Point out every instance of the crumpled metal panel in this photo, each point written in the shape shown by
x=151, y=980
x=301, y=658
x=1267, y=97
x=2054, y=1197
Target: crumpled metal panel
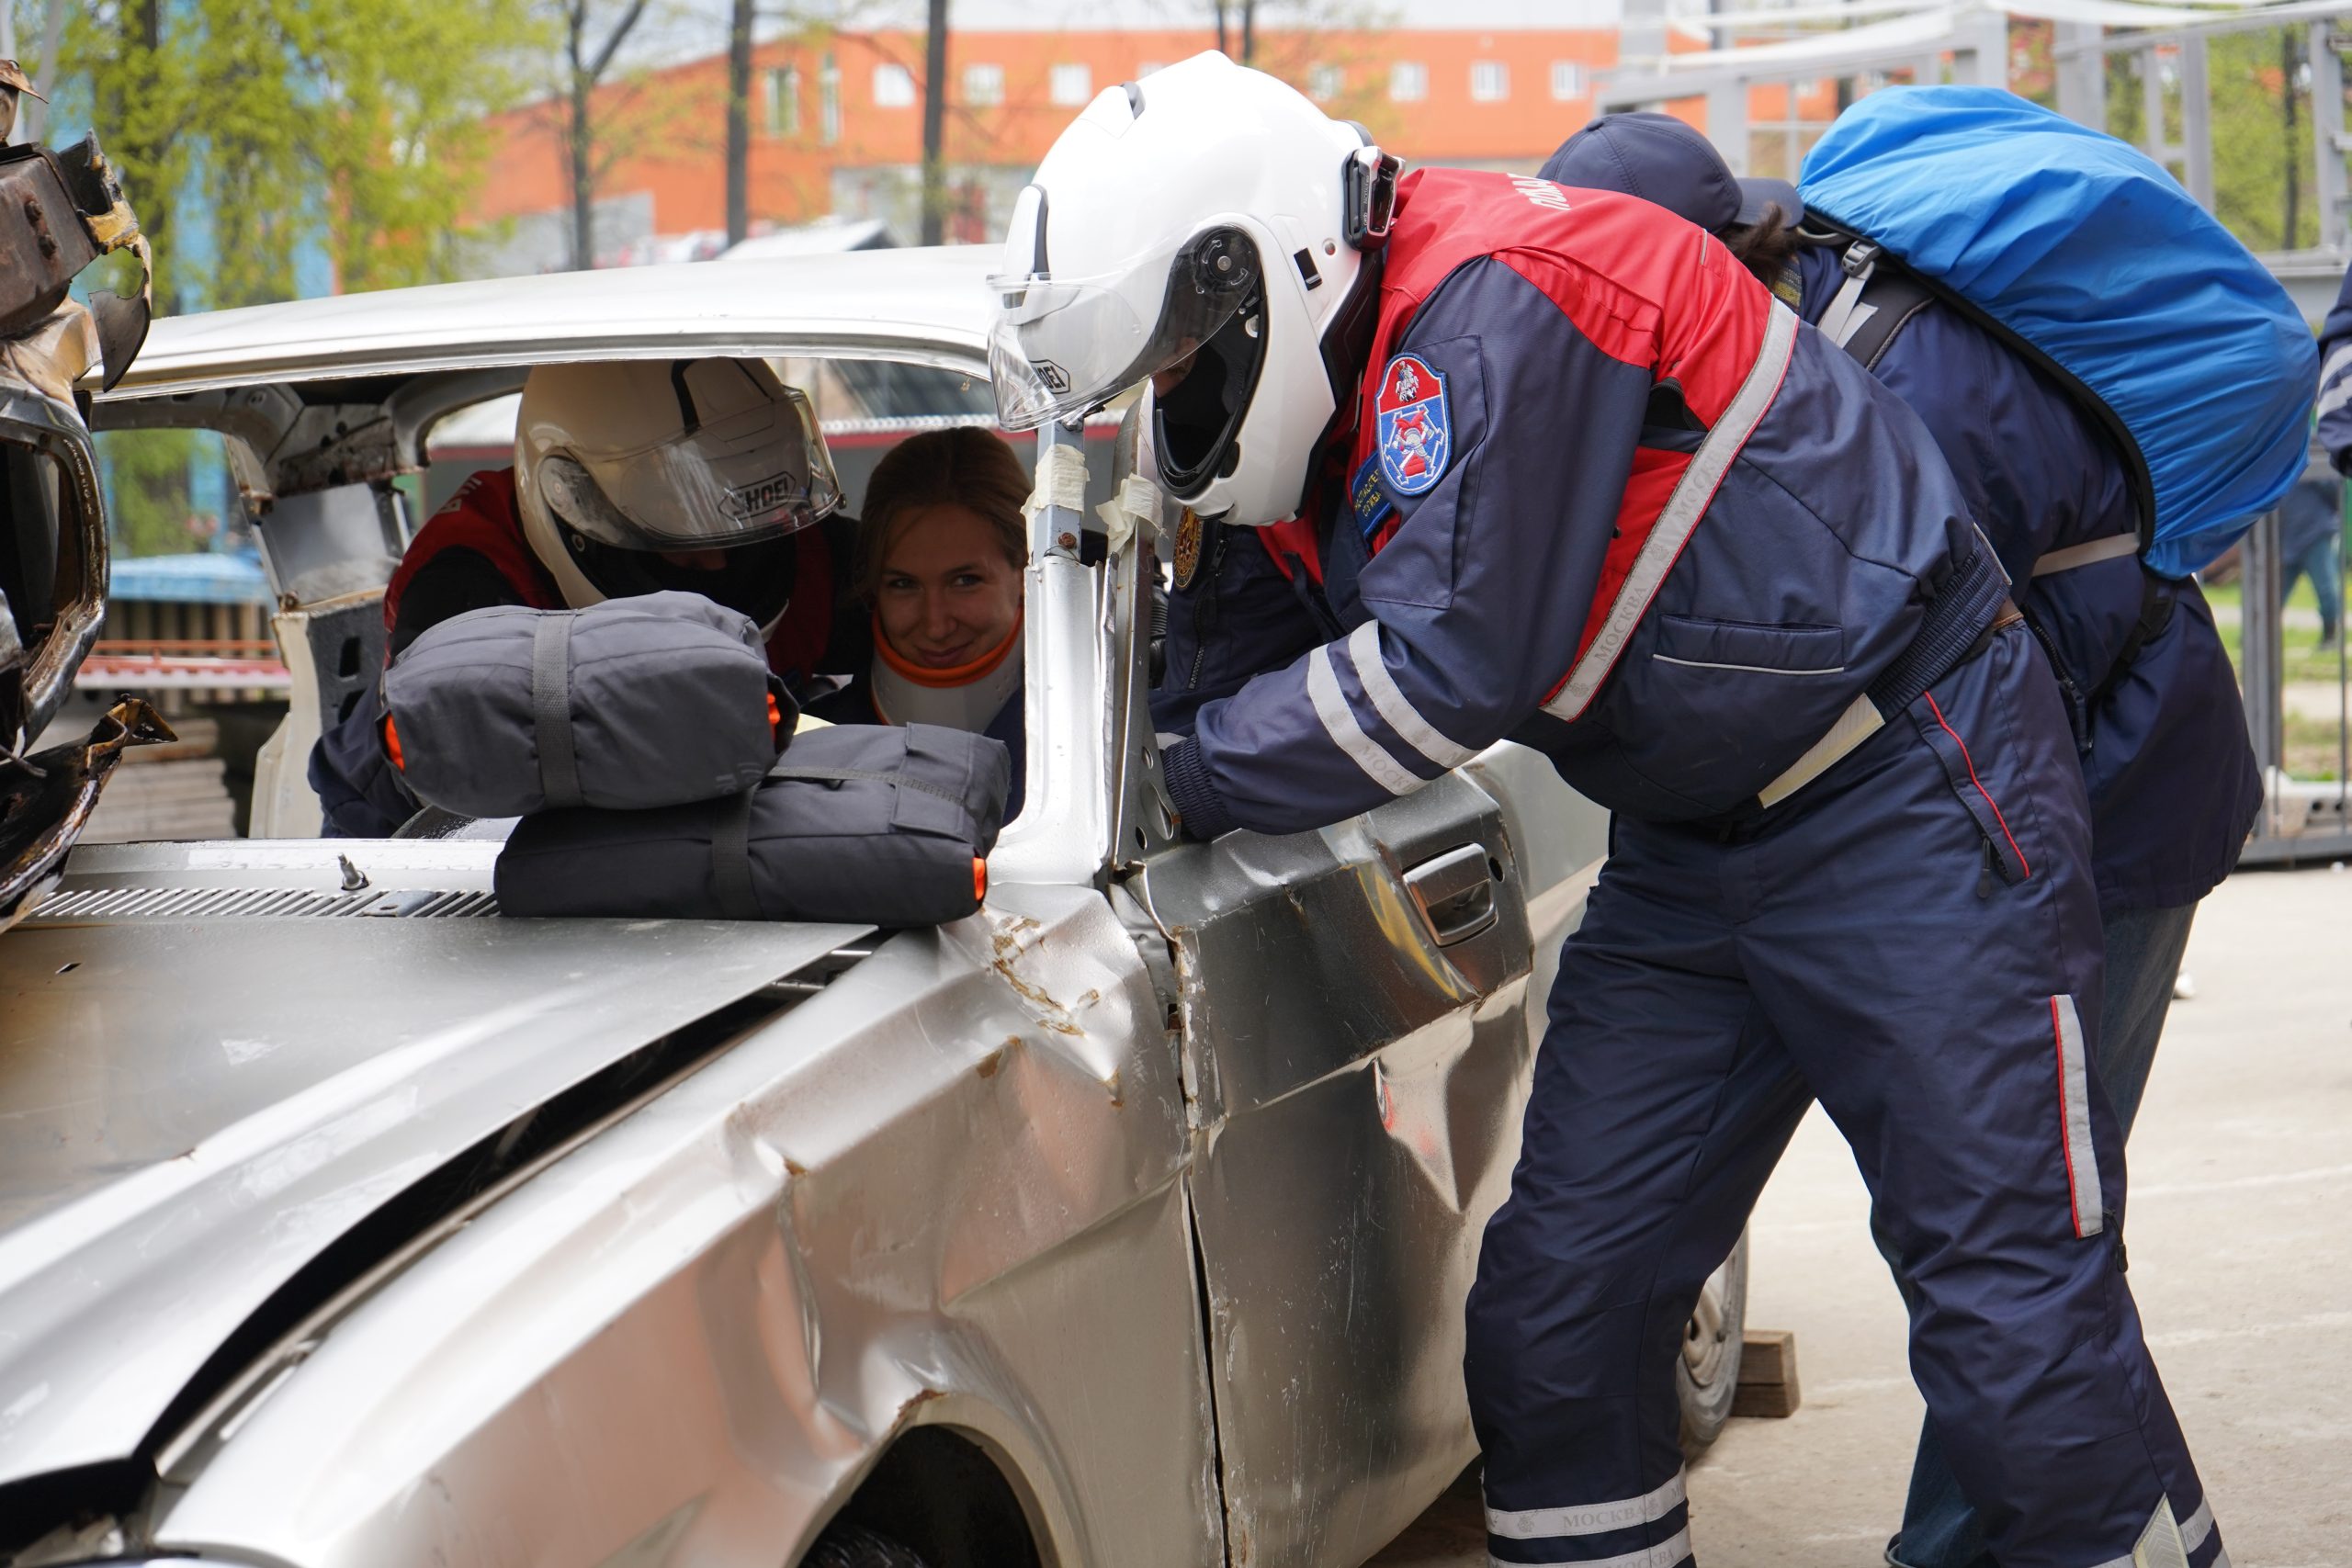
x=1336, y=1307
x=167, y=1164
x=945, y=1189
x=1359, y=1092
x=1302, y=954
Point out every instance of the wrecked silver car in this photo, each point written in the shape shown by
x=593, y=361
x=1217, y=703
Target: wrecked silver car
x=343, y=1221
x=60, y=212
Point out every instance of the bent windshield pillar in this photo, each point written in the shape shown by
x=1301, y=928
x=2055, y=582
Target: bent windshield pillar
x=1070, y=635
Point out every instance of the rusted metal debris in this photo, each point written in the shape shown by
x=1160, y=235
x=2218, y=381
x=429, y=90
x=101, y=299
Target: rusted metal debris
x=14, y=83
x=60, y=210
x=46, y=800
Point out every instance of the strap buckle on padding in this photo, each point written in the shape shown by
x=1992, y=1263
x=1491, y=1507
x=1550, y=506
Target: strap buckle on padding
x=1861, y=257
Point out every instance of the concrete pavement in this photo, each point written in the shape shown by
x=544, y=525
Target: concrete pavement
x=2240, y=1238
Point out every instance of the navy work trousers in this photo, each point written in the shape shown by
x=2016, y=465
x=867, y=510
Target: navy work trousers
x=2144, y=953
x=1913, y=939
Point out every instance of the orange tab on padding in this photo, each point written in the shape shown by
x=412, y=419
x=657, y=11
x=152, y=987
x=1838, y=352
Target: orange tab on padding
x=979, y=878
x=392, y=744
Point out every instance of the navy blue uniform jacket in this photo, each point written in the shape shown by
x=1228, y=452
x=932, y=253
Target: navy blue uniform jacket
x=2335, y=380
x=1584, y=357
x=2165, y=757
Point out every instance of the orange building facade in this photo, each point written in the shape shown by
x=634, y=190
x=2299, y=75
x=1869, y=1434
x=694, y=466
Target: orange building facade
x=837, y=115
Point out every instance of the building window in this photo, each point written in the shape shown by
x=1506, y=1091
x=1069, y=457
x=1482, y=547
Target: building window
x=829, y=102
x=983, y=85
x=1324, y=83
x=1567, y=79
x=1490, y=82
x=784, y=101
x=894, y=87
x=1071, y=85
x=1409, y=82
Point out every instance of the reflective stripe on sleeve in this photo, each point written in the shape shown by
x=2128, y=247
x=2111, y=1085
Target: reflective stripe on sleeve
x=1670, y=1553
x=2075, y=1113
x=1340, y=723
x=2334, y=393
x=1693, y=495
x=1390, y=703
x=1587, y=1519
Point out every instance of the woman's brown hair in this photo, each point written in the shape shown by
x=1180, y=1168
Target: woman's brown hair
x=966, y=466
x=1766, y=246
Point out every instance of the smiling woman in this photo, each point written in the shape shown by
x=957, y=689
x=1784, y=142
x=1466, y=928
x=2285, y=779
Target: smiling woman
x=939, y=560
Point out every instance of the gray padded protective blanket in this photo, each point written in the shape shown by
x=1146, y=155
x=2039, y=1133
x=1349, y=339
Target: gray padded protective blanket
x=871, y=824
x=655, y=700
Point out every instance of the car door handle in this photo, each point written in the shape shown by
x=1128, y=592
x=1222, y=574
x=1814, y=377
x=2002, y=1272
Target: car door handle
x=1455, y=892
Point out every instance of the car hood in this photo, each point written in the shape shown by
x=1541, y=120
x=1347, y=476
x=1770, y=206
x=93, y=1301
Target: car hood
x=197, y=1099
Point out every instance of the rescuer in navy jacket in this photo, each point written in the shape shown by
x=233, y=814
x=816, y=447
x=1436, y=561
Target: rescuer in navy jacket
x=1550, y=465
x=2335, y=380
x=2149, y=688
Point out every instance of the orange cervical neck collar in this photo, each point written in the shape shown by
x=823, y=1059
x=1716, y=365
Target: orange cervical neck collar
x=955, y=675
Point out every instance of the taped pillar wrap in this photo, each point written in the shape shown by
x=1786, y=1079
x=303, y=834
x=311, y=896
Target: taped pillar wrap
x=1061, y=481
x=1133, y=510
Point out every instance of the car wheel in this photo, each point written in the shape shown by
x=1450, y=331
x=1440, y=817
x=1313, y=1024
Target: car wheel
x=1707, y=1379
x=853, y=1546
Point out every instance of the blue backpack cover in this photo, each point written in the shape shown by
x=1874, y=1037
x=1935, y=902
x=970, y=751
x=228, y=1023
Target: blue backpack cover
x=2094, y=260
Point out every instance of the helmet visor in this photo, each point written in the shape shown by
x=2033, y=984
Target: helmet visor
x=1061, y=347
x=759, y=473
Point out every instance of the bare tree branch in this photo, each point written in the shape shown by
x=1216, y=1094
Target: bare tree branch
x=612, y=39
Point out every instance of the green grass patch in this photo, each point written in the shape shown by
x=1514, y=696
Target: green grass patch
x=2305, y=659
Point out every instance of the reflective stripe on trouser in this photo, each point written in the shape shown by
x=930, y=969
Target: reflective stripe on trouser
x=1651, y=1530
x=1854, y=943
x=2171, y=1542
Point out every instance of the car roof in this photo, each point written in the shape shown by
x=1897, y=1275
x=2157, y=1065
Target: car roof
x=927, y=305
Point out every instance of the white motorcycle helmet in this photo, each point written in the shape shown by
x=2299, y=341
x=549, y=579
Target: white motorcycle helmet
x=1207, y=219
x=634, y=475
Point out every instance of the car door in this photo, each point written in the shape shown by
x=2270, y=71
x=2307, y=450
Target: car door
x=1358, y=1024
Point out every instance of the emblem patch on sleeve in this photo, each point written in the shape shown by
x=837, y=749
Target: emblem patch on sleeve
x=1416, y=434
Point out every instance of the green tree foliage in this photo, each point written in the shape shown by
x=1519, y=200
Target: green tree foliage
x=148, y=503
x=355, y=123
x=2262, y=141
x=2263, y=168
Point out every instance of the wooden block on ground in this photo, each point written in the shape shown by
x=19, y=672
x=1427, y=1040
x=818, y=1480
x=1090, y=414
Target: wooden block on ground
x=1768, y=1374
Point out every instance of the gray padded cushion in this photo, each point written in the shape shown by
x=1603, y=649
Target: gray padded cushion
x=873, y=824
x=666, y=696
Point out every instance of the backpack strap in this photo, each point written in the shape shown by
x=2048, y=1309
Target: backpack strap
x=1877, y=300
x=2158, y=598
x=2112, y=548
